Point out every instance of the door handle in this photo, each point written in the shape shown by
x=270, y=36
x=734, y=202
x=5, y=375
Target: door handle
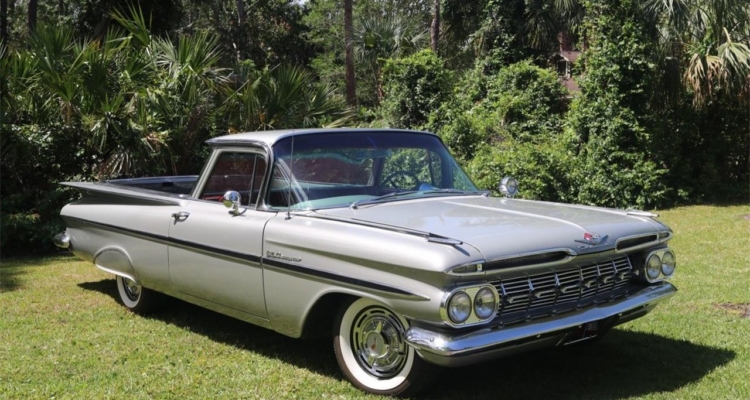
x=180, y=216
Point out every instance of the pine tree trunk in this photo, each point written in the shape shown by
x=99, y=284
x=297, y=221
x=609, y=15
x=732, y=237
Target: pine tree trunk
x=351, y=88
x=435, y=31
x=241, y=17
x=32, y=16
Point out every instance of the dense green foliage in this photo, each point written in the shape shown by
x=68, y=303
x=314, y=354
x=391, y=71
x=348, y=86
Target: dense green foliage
x=615, y=164
x=128, y=104
x=414, y=87
x=102, y=89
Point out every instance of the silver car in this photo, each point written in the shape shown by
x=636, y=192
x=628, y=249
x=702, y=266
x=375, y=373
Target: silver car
x=379, y=236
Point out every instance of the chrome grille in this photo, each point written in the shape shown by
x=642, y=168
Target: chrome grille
x=526, y=297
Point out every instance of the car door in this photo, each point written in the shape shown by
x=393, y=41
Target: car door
x=213, y=254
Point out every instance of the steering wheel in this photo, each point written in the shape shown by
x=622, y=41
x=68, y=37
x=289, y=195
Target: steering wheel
x=397, y=177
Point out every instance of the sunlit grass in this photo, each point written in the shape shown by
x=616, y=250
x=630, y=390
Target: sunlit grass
x=64, y=335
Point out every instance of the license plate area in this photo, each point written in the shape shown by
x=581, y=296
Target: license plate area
x=584, y=332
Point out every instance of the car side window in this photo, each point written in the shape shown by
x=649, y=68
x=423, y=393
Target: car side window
x=239, y=171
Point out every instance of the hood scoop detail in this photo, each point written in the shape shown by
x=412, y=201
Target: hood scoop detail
x=552, y=257
x=629, y=243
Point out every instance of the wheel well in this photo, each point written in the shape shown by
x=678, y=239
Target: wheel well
x=319, y=321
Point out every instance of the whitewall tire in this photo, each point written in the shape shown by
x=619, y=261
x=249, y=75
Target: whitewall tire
x=371, y=351
x=134, y=296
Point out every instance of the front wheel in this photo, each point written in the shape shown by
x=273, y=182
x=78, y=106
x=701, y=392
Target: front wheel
x=371, y=351
x=134, y=296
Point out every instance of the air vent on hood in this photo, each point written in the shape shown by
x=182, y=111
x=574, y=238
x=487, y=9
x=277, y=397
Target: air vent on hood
x=533, y=259
x=634, y=242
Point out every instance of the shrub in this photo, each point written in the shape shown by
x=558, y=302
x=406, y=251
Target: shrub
x=542, y=169
x=521, y=101
x=414, y=87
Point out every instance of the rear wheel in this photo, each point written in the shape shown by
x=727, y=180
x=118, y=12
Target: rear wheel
x=134, y=296
x=371, y=351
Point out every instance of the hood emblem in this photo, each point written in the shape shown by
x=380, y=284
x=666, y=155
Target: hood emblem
x=592, y=240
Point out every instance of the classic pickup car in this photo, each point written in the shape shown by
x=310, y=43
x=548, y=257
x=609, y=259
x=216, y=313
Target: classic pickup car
x=379, y=237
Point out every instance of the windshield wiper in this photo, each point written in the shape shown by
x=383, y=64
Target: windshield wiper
x=378, y=199
x=459, y=191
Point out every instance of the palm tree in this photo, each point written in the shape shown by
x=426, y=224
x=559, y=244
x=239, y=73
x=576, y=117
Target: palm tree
x=547, y=22
x=377, y=38
x=283, y=97
x=712, y=37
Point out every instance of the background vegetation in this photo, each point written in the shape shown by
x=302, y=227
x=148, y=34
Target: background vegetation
x=96, y=89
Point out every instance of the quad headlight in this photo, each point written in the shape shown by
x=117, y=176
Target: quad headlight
x=485, y=304
x=459, y=307
x=659, y=265
x=668, y=263
x=470, y=305
x=653, y=266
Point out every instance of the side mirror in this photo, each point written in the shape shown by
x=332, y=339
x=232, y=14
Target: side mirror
x=508, y=187
x=231, y=200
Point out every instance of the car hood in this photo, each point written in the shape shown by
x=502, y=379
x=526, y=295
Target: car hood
x=500, y=227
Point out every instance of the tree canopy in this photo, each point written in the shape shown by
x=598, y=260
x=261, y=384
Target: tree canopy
x=621, y=103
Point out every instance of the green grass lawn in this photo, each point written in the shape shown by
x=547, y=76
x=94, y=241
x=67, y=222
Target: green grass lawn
x=63, y=334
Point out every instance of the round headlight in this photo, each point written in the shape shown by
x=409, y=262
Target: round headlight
x=668, y=263
x=653, y=267
x=459, y=307
x=485, y=303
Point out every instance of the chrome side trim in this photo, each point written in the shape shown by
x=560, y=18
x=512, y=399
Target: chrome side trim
x=61, y=240
x=441, y=347
x=340, y=279
x=119, y=273
x=144, y=195
x=430, y=237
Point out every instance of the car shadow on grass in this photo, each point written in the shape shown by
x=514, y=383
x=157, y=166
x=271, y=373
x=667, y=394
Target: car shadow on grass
x=10, y=279
x=622, y=364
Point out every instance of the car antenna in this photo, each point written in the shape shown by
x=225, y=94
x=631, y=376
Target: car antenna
x=291, y=175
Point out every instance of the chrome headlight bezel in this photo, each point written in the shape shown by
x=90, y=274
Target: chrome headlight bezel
x=471, y=292
x=657, y=255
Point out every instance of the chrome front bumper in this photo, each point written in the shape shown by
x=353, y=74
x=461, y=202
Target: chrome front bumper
x=495, y=342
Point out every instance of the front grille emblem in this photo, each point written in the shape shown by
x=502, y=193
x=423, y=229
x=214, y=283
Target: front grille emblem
x=592, y=240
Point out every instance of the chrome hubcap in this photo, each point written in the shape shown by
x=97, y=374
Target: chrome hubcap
x=132, y=289
x=377, y=340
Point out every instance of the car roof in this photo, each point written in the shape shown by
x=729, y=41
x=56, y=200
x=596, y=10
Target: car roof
x=270, y=137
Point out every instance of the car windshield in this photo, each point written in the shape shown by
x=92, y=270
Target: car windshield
x=357, y=168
